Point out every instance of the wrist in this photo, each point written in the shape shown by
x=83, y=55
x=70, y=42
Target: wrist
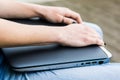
x=28, y=9
x=59, y=34
x=39, y=10
x=55, y=33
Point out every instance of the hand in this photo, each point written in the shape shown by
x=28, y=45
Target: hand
x=58, y=14
x=79, y=35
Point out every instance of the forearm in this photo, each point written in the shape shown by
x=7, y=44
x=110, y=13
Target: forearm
x=15, y=34
x=14, y=9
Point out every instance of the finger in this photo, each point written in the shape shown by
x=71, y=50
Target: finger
x=68, y=20
x=90, y=40
x=94, y=35
x=101, y=42
x=91, y=31
x=74, y=15
x=77, y=17
x=62, y=19
x=96, y=41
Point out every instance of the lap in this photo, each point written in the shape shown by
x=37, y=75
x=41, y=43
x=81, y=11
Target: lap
x=109, y=71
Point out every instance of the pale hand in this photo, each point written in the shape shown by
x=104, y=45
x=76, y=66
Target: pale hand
x=79, y=35
x=58, y=14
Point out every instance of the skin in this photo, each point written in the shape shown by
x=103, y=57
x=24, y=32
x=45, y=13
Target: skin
x=16, y=34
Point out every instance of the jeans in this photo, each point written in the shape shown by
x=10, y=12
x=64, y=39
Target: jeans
x=109, y=71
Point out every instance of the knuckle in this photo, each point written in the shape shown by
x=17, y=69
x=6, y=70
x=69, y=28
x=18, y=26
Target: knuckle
x=58, y=19
x=90, y=29
x=97, y=41
x=86, y=40
x=95, y=36
x=86, y=28
x=86, y=33
x=68, y=20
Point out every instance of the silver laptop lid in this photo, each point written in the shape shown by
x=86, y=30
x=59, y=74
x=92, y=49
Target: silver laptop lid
x=51, y=54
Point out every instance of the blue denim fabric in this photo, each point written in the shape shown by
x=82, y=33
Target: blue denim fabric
x=110, y=71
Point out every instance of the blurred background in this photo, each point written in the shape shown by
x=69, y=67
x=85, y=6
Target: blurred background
x=105, y=13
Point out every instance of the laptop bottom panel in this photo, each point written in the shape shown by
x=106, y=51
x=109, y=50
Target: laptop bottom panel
x=62, y=65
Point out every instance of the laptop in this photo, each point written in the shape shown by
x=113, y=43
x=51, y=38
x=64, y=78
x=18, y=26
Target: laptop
x=53, y=56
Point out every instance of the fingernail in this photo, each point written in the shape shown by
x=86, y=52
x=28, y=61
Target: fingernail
x=101, y=42
x=105, y=44
x=74, y=22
